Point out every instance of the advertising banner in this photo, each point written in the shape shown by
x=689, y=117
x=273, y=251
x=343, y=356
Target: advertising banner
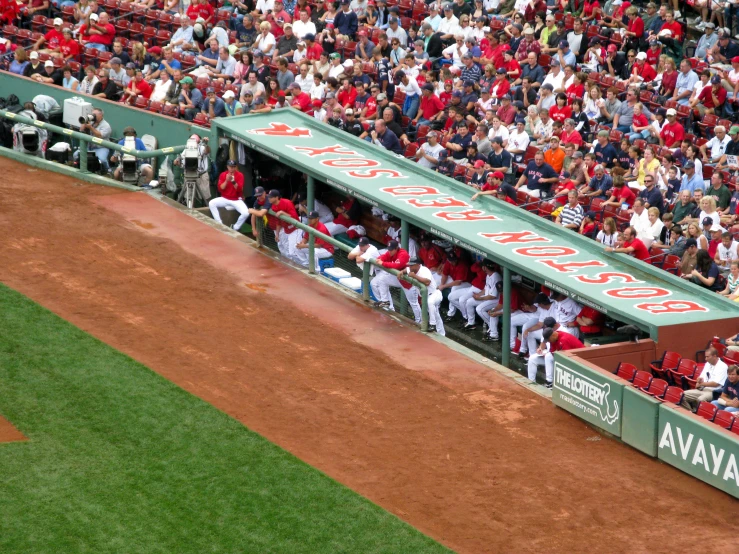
x=589, y=394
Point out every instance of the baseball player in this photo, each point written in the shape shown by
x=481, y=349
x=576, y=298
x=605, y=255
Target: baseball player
x=567, y=311
x=362, y=252
x=545, y=310
x=347, y=215
x=285, y=233
x=325, y=214
x=454, y=277
x=259, y=208
x=420, y=272
x=494, y=315
x=477, y=285
x=488, y=296
x=394, y=258
x=231, y=188
x=432, y=256
x=322, y=249
x=524, y=317
x=552, y=341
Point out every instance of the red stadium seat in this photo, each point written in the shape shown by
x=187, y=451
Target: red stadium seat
x=660, y=368
x=626, y=371
x=545, y=210
x=674, y=395
x=685, y=369
x=201, y=119
x=642, y=380
x=657, y=388
x=706, y=410
x=724, y=419
x=141, y=102
x=410, y=150
x=155, y=106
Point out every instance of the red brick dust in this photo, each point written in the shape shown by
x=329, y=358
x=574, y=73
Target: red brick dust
x=8, y=433
x=448, y=445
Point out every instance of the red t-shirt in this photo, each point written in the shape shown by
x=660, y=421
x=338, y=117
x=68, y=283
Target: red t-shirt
x=560, y=114
x=645, y=71
x=204, y=10
x=457, y=272
x=640, y=251
x=314, y=52
x=653, y=55
x=53, y=38
x=636, y=26
x=565, y=341
x=106, y=38
x=707, y=100
x=232, y=191
x=478, y=281
x=302, y=100
x=571, y=138
x=432, y=257
x=143, y=87
x=371, y=106
x=500, y=88
x=575, y=91
x=320, y=243
x=640, y=120
x=347, y=97
x=677, y=30
x=397, y=261
x=672, y=134
x=285, y=205
x=625, y=195
x=597, y=317
x=431, y=106
x=69, y=48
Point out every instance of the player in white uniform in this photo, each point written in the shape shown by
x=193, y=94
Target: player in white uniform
x=422, y=273
x=451, y=278
x=488, y=298
x=363, y=252
x=546, y=309
x=567, y=311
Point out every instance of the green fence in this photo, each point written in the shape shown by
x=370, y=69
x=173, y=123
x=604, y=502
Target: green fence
x=698, y=448
x=666, y=431
x=366, y=268
x=587, y=393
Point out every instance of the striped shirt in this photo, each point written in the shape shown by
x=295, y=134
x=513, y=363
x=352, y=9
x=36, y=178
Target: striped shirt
x=570, y=215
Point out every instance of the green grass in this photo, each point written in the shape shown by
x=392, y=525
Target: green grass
x=121, y=460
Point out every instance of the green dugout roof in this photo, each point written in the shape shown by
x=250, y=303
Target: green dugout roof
x=616, y=284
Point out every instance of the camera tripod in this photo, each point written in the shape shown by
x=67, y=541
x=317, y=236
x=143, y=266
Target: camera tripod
x=189, y=193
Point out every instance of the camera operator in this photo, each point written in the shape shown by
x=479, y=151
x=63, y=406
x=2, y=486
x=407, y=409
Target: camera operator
x=99, y=128
x=146, y=171
x=203, y=181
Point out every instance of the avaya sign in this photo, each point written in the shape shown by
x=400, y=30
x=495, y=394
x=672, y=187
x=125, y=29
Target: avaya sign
x=561, y=259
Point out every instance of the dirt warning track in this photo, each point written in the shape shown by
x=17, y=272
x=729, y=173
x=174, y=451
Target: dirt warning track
x=458, y=451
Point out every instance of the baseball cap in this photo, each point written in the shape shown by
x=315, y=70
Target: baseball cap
x=313, y=215
x=317, y=103
x=594, y=41
x=34, y=55
x=689, y=165
x=641, y=56
x=479, y=163
x=186, y=80
x=565, y=174
x=554, y=63
x=115, y=60
x=501, y=71
x=469, y=83
x=309, y=36
x=671, y=111
x=58, y=21
x=246, y=92
x=259, y=100
x=542, y=298
x=547, y=333
x=362, y=34
x=498, y=175
x=93, y=17
x=363, y=241
x=415, y=260
x=348, y=111
x=715, y=80
x=228, y=94
x=603, y=133
x=274, y=193
x=528, y=31
x=393, y=245
x=334, y=56
x=691, y=242
x=498, y=140
x=506, y=97
x=548, y=86
x=549, y=322
x=590, y=214
x=258, y=191
x=564, y=44
x=154, y=50
x=382, y=96
x=428, y=86
x=129, y=131
x=294, y=85
x=467, y=55
x=577, y=154
x=734, y=130
x=457, y=94
x=48, y=63
x=210, y=90
x=710, y=26
x=130, y=65
x=612, y=48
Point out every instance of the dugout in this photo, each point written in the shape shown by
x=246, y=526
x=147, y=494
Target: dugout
x=674, y=313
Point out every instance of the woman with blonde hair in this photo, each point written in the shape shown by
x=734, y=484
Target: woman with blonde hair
x=655, y=224
x=708, y=209
x=608, y=236
x=593, y=100
x=139, y=56
x=20, y=61
x=694, y=232
x=532, y=120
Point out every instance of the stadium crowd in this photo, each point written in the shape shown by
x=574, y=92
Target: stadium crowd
x=602, y=118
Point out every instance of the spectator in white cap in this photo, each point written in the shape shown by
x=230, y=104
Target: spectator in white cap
x=233, y=107
x=50, y=75
x=52, y=38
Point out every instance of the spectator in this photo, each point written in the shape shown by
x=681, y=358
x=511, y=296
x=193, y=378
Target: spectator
x=712, y=378
x=428, y=154
x=572, y=213
x=537, y=177
x=726, y=252
x=599, y=184
x=631, y=245
x=608, y=236
x=191, y=99
x=692, y=181
x=729, y=394
x=732, y=282
x=382, y=136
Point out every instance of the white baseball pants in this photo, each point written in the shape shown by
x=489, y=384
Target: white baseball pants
x=521, y=319
x=574, y=331
x=412, y=295
x=237, y=205
x=492, y=322
x=547, y=360
x=381, y=284
x=434, y=314
x=532, y=337
x=287, y=242
x=335, y=228
x=463, y=300
x=454, y=295
x=302, y=255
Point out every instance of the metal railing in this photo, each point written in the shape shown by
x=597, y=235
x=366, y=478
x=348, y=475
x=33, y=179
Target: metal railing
x=312, y=233
x=86, y=139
